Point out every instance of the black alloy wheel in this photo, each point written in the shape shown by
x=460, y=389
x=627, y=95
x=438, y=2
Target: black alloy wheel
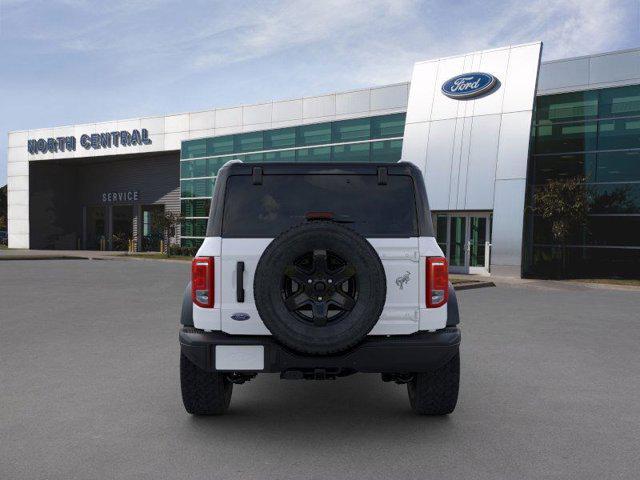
x=320, y=287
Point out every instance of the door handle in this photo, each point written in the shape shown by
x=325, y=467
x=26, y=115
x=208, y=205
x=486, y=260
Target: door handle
x=240, y=282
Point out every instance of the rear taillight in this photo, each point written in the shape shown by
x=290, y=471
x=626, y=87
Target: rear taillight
x=437, y=281
x=202, y=281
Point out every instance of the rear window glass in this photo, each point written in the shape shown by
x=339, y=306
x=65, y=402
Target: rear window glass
x=284, y=200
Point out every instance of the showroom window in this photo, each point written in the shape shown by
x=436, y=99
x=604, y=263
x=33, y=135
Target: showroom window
x=593, y=135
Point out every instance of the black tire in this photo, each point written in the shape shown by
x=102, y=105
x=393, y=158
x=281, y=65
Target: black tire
x=356, y=316
x=436, y=393
x=203, y=393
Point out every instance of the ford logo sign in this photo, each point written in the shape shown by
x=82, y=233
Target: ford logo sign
x=469, y=85
x=240, y=317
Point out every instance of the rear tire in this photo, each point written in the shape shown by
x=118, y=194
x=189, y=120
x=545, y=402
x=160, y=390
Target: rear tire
x=436, y=393
x=203, y=393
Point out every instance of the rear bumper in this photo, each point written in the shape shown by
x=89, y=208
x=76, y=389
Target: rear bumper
x=419, y=352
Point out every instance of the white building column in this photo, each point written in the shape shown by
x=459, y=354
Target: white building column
x=18, y=190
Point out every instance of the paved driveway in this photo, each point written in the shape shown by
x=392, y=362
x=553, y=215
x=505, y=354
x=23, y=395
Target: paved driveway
x=89, y=389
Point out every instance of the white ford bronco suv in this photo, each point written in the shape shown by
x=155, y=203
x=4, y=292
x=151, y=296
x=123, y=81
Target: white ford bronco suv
x=318, y=271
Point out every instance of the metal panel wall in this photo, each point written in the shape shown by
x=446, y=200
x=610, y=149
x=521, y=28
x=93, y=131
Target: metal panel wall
x=474, y=152
x=595, y=71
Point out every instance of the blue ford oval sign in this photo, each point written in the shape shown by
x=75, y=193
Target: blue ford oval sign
x=468, y=85
x=240, y=317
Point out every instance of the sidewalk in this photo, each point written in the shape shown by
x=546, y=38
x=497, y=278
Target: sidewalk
x=469, y=282
x=23, y=254
x=499, y=280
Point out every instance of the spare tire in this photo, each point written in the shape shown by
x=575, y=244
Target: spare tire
x=319, y=287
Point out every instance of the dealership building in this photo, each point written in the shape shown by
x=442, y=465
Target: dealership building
x=488, y=129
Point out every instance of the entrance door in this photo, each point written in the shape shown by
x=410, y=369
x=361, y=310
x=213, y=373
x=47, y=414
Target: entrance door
x=96, y=227
x=457, y=242
x=478, y=245
x=465, y=239
x=122, y=227
x=151, y=233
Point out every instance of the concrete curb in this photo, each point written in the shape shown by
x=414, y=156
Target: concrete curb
x=45, y=257
x=171, y=260
x=473, y=285
x=601, y=285
x=86, y=257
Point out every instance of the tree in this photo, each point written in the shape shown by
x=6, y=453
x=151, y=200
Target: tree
x=565, y=204
x=166, y=223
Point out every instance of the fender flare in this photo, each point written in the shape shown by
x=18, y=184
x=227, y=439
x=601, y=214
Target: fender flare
x=453, y=313
x=186, y=313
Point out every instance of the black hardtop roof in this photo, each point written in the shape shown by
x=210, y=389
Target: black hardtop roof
x=214, y=226
x=325, y=168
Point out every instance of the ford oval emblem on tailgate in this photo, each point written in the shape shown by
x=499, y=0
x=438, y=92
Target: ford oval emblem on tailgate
x=241, y=317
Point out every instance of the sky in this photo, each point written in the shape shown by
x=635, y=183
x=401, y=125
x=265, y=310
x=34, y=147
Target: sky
x=65, y=62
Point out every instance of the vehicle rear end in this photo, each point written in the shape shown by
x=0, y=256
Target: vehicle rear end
x=317, y=271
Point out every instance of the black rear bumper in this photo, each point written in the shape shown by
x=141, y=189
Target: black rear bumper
x=419, y=352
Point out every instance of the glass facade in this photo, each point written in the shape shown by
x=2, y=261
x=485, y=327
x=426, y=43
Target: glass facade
x=593, y=134
x=372, y=139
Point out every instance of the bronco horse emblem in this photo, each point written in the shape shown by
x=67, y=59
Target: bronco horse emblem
x=402, y=279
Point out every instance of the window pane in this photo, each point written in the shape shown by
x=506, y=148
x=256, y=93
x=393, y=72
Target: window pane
x=352, y=130
x=214, y=164
x=388, y=151
x=388, y=126
x=199, y=167
x=613, y=230
x=200, y=188
x=457, y=232
x=194, y=148
x=283, y=200
x=197, y=188
x=186, y=169
x=620, y=102
x=618, y=167
x=191, y=242
x=280, y=138
x=549, y=167
x=320, y=154
x=253, y=158
x=441, y=232
x=193, y=228
x=195, y=208
x=281, y=156
x=248, y=142
x=220, y=145
x=357, y=152
x=566, y=107
x=586, y=261
x=615, y=198
x=566, y=138
x=313, y=134
x=186, y=188
x=616, y=134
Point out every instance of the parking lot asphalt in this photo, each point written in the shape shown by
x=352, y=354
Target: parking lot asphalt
x=89, y=390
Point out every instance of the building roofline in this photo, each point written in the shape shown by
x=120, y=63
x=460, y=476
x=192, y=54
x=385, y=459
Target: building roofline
x=213, y=109
x=602, y=54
